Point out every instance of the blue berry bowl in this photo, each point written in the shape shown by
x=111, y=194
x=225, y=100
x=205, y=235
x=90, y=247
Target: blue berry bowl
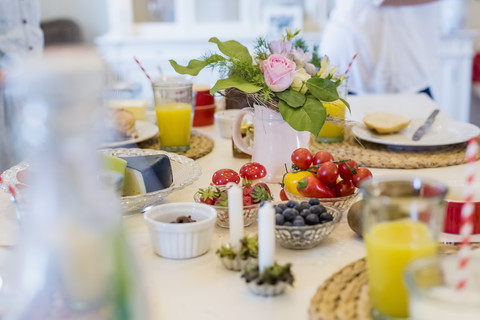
x=309, y=233
x=341, y=203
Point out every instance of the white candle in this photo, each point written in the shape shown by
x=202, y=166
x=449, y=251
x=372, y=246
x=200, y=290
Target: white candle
x=266, y=236
x=235, y=216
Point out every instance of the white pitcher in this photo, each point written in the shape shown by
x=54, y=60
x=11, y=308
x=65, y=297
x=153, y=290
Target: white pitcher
x=273, y=141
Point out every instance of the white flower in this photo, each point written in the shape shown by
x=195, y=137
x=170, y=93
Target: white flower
x=299, y=82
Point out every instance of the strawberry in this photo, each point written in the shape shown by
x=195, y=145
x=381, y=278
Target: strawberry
x=247, y=200
x=261, y=192
x=247, y=190
x=222, y=199
x=207, y=195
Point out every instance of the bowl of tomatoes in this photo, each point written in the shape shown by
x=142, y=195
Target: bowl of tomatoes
x=319, y=176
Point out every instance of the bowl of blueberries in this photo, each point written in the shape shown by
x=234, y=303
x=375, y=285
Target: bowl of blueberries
x=303, y=225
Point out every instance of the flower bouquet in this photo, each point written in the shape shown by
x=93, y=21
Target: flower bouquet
x=281, y=75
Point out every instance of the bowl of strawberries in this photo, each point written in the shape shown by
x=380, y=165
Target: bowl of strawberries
x=253, y=192
x=334, y=183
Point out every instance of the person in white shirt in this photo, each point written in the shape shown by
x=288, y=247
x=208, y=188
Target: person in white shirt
x=20, y=36
x=396, y=42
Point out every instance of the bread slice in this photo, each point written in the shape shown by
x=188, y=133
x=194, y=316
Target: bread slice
x=384, y=122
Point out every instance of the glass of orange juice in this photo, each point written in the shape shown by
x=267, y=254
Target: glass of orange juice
x=402, y=220
x=173, y=108
x=333, y=130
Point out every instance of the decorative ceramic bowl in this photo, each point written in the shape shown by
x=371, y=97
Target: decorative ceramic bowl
x=185, y=171
x=181, y=240
x=309, y=236
x=341, y=203
x=267, y=290
x=237, y=264
x=249, y=213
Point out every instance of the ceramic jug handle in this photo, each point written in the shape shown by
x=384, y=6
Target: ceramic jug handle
x=237, y=131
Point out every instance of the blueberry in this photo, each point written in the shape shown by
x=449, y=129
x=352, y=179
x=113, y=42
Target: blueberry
x=326, y=217
x=313, y=201
x=298, y=221
x=288, y=223
x=304, y=213
x=289, y=214
x=283, y=206
x=279, y=219
x=301, y=206
x=317, y=209
x=291, y=203
x=278, y=209
x=312, y=219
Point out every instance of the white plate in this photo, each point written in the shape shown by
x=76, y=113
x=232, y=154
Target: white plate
x=185, y=172
x=145, y=131
x=444, y=131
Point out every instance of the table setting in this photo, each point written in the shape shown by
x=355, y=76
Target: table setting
x=336, y=222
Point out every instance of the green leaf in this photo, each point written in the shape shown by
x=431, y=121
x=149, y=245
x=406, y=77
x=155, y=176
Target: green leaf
x=323, y=89
x=293, y=98
x=193, y=67
x=308, y=118
x=346, y=103
x=233, y=82
x=233, y=49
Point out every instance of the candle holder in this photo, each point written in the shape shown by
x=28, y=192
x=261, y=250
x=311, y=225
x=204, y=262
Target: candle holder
x=239, y=260
x=271, y=282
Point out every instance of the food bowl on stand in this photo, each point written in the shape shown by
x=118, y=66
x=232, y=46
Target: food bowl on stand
x=250, y=213
x=341, y=203
x=307, y=236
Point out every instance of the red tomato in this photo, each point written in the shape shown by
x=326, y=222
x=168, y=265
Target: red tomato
x=344, y=188
x=362, y=174
x=347, y=169
x=328, y=173
x=283, y=196
x=322, y=156
x=223, y=176
x=311, y=187
x=302, y=158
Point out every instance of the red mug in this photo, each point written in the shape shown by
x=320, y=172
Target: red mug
x=453, y=217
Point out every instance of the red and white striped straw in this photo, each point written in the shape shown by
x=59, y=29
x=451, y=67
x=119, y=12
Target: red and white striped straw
x=467, y=215
x=350, y=64
x=143, y=69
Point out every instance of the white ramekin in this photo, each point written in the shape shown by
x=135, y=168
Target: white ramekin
x=181, y=240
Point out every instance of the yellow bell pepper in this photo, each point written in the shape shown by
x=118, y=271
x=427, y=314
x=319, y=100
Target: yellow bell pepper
x=290, y=180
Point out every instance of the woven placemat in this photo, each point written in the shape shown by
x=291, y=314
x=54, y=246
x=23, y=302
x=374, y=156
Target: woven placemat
x=373, y=155
x=344, y=295
x=200, y=145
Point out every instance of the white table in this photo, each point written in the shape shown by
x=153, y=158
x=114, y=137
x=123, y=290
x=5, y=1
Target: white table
x=201, y=288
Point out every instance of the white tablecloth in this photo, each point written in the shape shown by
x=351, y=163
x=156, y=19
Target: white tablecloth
x=201, y=288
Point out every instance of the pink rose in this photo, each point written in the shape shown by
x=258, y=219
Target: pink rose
x=278, y=72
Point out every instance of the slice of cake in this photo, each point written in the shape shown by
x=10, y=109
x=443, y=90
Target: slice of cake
x=146, y=174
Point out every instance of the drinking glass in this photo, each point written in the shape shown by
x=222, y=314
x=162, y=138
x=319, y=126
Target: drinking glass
x=173, y=108
x=431, y=286
x=402, y=221
x=333, y=130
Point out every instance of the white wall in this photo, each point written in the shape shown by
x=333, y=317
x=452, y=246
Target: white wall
x=90, y=15
x=473, y=21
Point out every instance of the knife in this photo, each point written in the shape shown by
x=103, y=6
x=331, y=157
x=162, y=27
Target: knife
x=424, y=127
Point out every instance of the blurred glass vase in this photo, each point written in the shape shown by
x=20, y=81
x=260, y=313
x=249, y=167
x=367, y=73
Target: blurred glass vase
x=72, y=260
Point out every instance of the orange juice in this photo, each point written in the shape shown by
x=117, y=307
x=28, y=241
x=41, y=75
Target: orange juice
x=390, y=247
x=174, y=122
x=333, y=131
